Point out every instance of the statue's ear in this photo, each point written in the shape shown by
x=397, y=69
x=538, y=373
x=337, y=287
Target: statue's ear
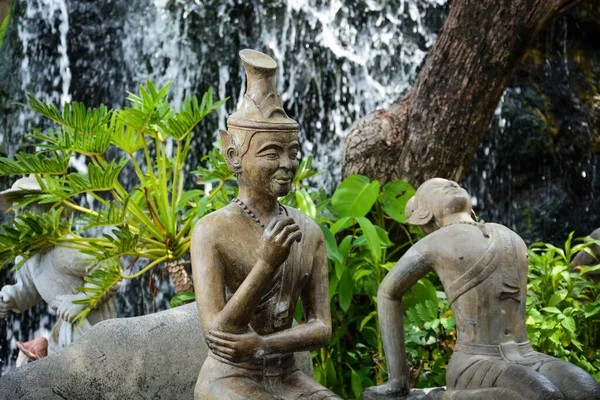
x=473, y=215
x=416, y=214
x=231, y=152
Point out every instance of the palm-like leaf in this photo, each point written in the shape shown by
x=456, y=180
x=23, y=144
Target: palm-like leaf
x=125, y=137
x=114, y=215
x=29, y=234
x=216, y=169
x=25, y=163
x=148, y=108
x=190, y=115
x=102, y=278
x=56, y=189
x=98, y=178
x=84, y=130
x=122, y=242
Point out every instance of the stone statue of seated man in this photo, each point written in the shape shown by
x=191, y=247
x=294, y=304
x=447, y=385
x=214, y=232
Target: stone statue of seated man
x=483, y=268
x=254, y=259
x=52, y=276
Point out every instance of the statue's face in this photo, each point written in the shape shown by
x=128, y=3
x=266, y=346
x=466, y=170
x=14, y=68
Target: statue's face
x=438, y=199
x=270, y=163
x=449, y=198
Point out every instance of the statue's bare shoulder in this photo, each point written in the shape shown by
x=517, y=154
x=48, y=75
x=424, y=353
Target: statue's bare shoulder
x=214, y=227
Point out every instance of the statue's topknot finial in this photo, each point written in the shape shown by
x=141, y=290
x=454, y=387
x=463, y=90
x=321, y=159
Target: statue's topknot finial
x=261, y=107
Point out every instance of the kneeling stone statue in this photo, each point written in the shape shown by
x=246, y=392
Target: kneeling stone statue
x=254, y=259
x=483, y=268
x=52, y=276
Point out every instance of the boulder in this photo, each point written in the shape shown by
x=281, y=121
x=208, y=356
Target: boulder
x=156, y=356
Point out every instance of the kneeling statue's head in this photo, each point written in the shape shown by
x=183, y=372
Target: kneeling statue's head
x=434, y=201
x=261, y=143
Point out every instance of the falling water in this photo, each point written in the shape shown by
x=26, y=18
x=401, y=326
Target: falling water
x=337, y=61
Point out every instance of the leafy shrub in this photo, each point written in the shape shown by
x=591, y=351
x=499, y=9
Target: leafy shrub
x=365, y=232
x=151, y=219
x=563, y=306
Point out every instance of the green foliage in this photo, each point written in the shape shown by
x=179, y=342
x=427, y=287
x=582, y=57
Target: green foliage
x=151, y=219
x=39, y=163
x=4, y=25
x=102, y=278
x=83, y=130
x=29, y=234
x=190, y=115
x=182, y=298
x=563, y=306
x=357, y=222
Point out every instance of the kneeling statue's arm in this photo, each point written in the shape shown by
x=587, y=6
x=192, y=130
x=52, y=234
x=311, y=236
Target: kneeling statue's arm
x=407, y=271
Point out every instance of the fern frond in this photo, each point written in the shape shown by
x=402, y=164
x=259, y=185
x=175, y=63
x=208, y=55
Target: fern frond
x=114, y=215
x=26, y=163
x=122, y=242
x=102, y=279
x=412, y=317
x=432, y=310
x=148, y=108
x=85, y=130
x=190, y=115
x=29, y=234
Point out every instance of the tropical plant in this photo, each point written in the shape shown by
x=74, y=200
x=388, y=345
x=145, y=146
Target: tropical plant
x=150, y=219
x=563, y=305
x=4, y=23
x=361, y=222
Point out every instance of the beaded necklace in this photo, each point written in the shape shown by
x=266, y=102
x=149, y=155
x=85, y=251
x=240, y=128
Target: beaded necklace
x=251, y=214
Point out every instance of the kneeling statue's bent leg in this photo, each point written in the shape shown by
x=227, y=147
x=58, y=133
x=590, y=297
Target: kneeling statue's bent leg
x=466, y=373
x=573, y=382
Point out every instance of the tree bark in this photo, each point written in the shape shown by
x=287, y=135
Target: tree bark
x=436, y=129
x=3, y=9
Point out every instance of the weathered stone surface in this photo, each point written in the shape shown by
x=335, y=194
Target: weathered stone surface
x=156, y=356
x=415, y=394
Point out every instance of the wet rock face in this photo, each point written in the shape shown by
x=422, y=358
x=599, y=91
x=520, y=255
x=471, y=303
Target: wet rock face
x=538, y=170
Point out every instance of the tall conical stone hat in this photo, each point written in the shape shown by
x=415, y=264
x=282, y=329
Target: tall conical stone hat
x=261, y=108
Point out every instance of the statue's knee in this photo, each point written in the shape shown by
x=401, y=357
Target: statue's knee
x=550, y=394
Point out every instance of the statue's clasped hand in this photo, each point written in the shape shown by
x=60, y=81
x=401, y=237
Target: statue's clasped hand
x=6, y=300
x=236, y=347
x=277, y=240
x=64, y=307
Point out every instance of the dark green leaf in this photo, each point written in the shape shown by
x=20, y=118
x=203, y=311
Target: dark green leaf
x=355, y=196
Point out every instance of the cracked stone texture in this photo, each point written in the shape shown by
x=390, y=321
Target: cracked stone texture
x=156, y=356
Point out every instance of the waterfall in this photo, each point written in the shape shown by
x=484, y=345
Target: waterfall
x=338, y=60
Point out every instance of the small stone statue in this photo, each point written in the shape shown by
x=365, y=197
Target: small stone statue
x=52, y=276
x=483, y=268
x=254, y=259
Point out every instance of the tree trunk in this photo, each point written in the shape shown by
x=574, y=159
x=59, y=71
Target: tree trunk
x=436, y=129
x=3, y=9
x=179, y=276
